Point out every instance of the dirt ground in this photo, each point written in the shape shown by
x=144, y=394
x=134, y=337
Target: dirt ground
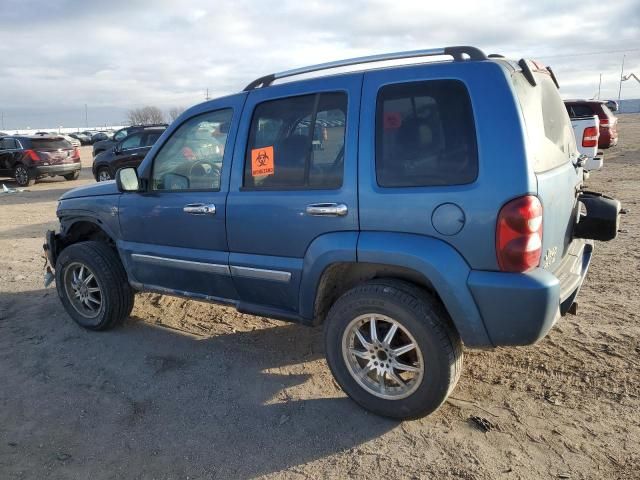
x=189, y=390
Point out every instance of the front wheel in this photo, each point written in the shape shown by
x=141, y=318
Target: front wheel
x=92, y=285
x=103, y=174
x=22, y=176
x=392, y=349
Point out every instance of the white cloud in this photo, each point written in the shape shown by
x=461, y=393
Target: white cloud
x=57, y=56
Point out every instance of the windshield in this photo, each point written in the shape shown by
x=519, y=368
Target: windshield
x=550, y=137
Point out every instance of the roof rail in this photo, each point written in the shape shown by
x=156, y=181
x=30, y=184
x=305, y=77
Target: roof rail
x=458, y=54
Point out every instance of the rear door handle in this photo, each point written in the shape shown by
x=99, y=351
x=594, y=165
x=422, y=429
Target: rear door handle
x=200, y=209
x=327, y=209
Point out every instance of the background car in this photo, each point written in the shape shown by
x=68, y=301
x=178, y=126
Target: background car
x=27, y=158
x=128, y=152
x=608, y=121
x=99, y=136
x=119, y=135
x=82, y=138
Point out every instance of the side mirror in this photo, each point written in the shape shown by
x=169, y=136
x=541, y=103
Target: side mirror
x=127, y=180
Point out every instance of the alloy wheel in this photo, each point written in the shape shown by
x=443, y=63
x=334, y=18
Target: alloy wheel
x=83, y=290
x=382, y=356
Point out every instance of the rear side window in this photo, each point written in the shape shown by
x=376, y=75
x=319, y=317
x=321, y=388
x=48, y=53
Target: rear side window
x=50, y=144
x=425, y=135
x=297, y=143
x=8, y=144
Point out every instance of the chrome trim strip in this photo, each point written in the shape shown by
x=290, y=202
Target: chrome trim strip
x=261, y=274
x=174, y=262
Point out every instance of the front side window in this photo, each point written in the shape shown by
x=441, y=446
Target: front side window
x=425, y=135
x=297, y=143
x=120, y=135
x=192, y=157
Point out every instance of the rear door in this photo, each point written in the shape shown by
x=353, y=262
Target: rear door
x=174, y=233
x=294, y=180
x=552, y=153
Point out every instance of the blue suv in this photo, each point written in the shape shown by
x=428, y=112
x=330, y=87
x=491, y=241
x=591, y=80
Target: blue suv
x=410, y=209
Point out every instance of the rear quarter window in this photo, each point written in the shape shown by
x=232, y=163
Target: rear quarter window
x=550, y=140
x=425, y=135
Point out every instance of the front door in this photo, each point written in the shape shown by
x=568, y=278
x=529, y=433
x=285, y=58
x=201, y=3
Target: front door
x=293, y=181
x=174, y=233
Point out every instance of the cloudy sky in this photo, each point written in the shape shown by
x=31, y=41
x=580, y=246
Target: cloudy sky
x=120, y=54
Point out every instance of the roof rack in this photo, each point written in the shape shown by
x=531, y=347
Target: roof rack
x=458, y=54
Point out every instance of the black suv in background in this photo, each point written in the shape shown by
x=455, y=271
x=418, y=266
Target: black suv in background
x=128, y=152
x=27, y=158
x=104, y=145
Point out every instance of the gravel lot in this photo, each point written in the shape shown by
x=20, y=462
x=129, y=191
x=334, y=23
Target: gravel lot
x=189, y=390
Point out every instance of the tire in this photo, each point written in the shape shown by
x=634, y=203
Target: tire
x=420, y=320
x=22, y=176
x=103, y=174
x=72, y=176
x=114, y=293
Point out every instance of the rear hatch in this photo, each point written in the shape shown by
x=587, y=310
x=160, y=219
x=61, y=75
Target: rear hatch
x=54, y=150
x=552, y=152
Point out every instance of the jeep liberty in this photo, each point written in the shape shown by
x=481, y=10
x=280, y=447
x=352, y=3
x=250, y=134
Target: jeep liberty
x=410, y=209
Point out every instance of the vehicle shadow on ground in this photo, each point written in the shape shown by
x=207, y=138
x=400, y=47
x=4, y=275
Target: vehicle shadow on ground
x=147, y=401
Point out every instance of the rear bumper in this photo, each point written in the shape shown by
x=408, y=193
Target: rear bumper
x=521, y=308
x=63, y=169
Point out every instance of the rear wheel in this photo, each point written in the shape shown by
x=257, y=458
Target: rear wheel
x=92, y=285
x=391, y=347
x=103, y=174
x=22, y=176
x=72, y=176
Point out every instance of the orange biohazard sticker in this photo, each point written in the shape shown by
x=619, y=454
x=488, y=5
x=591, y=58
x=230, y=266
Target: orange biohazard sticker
x=262, y=161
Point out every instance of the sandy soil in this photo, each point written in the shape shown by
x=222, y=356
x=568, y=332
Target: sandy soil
x=190, y=390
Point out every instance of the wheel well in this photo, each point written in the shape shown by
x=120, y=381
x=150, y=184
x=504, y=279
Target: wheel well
x=340, y=277
x=82, y=231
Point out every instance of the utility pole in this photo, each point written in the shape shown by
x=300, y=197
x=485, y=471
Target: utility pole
x=621, y=75
x=86, y=116
x=2, y=123
x=599, y=86
x=206, y=96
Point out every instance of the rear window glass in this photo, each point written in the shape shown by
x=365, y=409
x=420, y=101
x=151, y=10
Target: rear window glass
x=581, y=110
x=50, y=144
x=550, y=136
x=425, y=135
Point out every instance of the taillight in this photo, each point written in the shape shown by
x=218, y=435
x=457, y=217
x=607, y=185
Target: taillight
x=604, y=122
x=76, y=152
x=33, y=155
x=519, y=234
x=590, y=137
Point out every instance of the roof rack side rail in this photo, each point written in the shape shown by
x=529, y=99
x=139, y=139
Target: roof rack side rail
x=458, y=54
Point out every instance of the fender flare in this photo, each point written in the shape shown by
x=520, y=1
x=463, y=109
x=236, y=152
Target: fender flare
x=441, y=266
x=325, y=250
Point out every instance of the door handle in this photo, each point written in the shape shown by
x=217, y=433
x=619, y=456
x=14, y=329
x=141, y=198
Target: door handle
x=327, y=209
x=200, y=209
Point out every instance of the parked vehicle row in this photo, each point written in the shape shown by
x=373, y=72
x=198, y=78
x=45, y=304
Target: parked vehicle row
x=398, y=226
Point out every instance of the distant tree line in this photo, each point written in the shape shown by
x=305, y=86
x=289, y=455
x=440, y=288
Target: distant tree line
x=151, y=114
